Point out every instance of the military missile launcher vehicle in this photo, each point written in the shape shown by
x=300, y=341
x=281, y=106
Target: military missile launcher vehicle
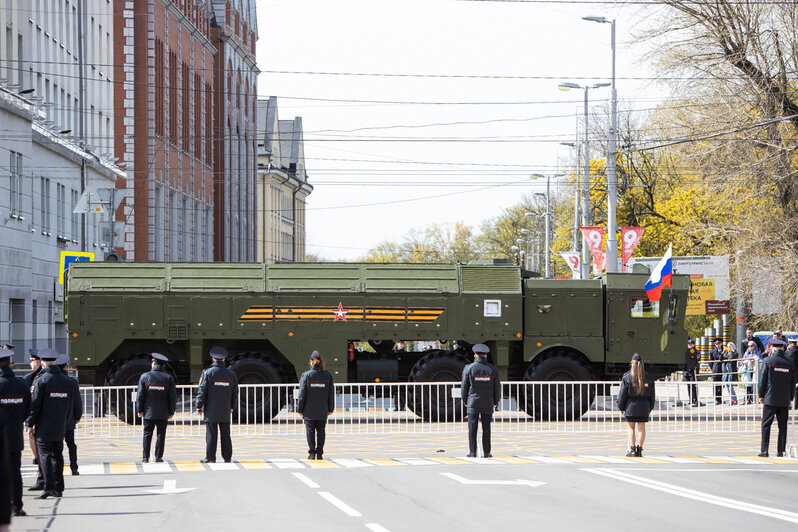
x=270, y=317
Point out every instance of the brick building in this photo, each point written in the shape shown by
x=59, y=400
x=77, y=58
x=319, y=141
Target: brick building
x=185, y=100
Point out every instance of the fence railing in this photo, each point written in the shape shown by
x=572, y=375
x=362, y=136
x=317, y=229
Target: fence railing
x=436, y=407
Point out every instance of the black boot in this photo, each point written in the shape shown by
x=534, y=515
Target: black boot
x=639, y=451
x=311, y=455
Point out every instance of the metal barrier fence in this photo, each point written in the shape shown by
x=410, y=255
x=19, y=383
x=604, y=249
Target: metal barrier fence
x=434, y=408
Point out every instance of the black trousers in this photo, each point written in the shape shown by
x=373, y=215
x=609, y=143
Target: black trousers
x=718, y=388
x=692, y=389
x=69, y=439
x=781, y=413
x=212, y=433
x=315, y=430
x=150, y=425
x=474, y=419
x=5, y=486
x=51, y=459
x=15, y=469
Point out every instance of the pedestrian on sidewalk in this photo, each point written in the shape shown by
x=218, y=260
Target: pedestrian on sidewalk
x=216, y=398
x=636, y=400
x=691, y=359
x=481, y=388
x=156, y=401
x=748, y=365
x=729, y=375
x=69, y=435
x=316, y=401
x=716, y=366
x=776, y=389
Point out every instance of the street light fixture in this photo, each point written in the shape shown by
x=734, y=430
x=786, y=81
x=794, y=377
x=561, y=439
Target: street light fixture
x=566, y=86
x=612, y=178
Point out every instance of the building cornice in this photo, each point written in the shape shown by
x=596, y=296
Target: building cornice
x=181, y=17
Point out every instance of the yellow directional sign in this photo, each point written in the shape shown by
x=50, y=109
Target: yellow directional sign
x=68, y=257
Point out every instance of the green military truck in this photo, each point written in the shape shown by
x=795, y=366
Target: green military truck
x=270, y=317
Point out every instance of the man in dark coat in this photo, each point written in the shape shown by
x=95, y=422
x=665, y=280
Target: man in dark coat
x=716, y=366
x=749, y=337
x=156, y=401
x=216, y=399
x=481, y=388
x=691, y=361
x=776, y=389
x=35, y=371
x=69, y=435
x=14, y=409
x=53, y=398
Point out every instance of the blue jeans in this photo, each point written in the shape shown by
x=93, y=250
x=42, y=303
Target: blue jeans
x=729, y=378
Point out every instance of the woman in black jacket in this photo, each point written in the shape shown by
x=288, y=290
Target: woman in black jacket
x=316, y=401
x=636, y=400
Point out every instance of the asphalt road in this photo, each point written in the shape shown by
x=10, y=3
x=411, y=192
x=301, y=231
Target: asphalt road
x=432, y=497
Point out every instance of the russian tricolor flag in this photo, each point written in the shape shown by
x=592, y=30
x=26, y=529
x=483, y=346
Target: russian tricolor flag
x=661, y=275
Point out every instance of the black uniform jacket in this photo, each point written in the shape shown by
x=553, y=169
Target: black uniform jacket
x=716, y=360
x=71, y=421
x=54, y=395
x=156, y=396
x=634, y=405
x=218, y=393
x=316, y=395
x=690, y=358
x=777, y=380
x=30, y=377
x=481, y=386
x=14, y=407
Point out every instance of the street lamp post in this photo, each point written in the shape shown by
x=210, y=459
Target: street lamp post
x=527, y=236
x=537, y=217
x=612, y=178
x=566, y=86
x=577, y=241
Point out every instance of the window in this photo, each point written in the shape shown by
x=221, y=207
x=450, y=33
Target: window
x=75, y=218
x=60, y=220
x=492, y=308
x=45, y=205
x=641, y=307
x=15, y=165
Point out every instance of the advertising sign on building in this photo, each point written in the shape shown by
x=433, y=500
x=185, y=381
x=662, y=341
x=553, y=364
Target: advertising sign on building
x=709, y=281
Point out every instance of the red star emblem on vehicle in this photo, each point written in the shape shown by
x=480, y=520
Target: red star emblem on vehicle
x=340, y=313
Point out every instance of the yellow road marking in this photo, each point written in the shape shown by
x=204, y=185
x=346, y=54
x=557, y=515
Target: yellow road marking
x=763, y=459
x=449, y=460
x=188, y=465
x=515, y=460
x=384, y=462
x=122, y=468
x=709, y=460
x=643, y=459
x=321, y=464
x=254, y=464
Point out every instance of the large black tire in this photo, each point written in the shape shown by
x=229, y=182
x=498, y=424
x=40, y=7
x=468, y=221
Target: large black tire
x=258, y=405
x=126, y=374
x=561, y=402
x=435, y=403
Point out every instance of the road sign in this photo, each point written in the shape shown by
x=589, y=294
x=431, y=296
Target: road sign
x=68, y=257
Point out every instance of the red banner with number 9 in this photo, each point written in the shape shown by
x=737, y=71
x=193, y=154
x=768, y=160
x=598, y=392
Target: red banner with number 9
x=630, y=236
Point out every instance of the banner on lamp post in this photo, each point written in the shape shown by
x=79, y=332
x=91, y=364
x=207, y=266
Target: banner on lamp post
x=574, y=261
x=595, y=241
x=630, y=236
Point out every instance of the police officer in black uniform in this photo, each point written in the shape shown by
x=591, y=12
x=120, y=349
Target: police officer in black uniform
x=315, y=402
x=216, y=398
x=53, y=398
x=14, y=409
x=156, y=400
x=776, y=388
x=35, y=371
x=69, y=435
x=716, y=366
x=691, y=361
x=481, y=388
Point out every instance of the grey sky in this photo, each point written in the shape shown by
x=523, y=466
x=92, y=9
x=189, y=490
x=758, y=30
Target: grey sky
x=365, y=159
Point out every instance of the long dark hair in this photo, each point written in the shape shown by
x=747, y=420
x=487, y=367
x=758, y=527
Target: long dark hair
x=317, y=364
x=638, y=371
